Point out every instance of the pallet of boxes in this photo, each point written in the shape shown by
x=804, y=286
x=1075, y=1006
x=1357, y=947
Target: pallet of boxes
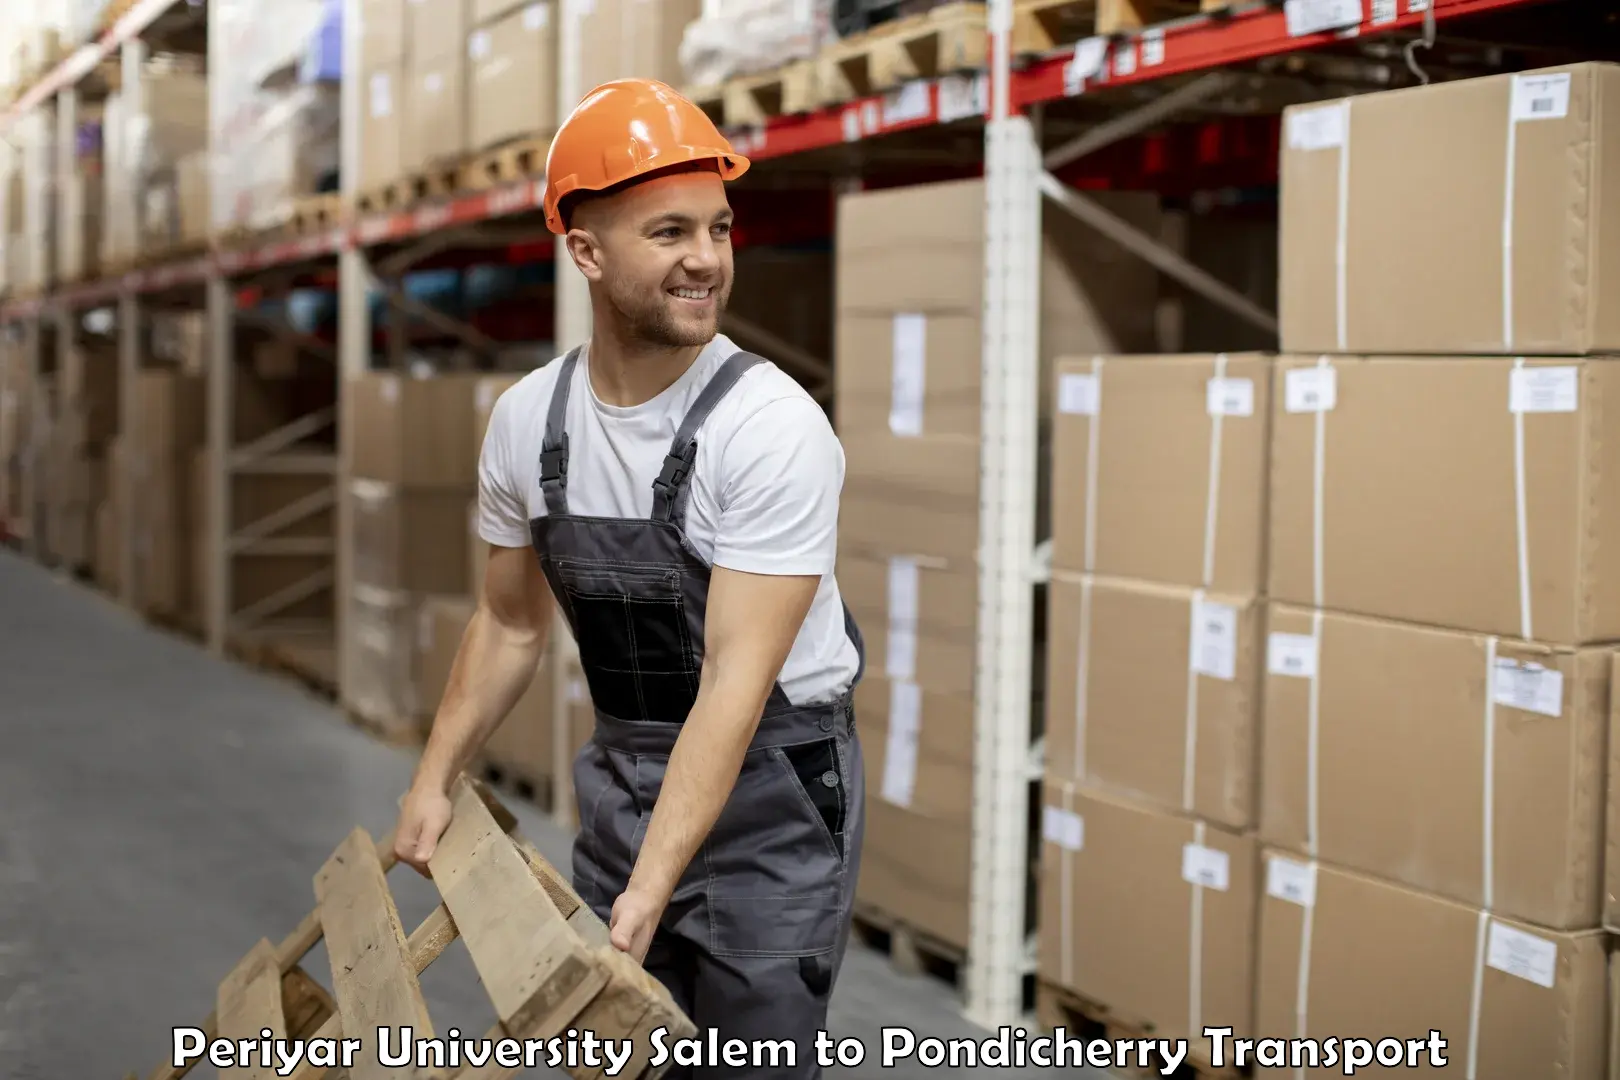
x=909, y=302
x=1349, y=782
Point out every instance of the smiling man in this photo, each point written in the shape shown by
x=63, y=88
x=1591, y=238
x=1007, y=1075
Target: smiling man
x=682, y=498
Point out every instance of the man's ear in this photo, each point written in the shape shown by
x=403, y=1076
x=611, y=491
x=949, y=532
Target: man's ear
x=586, y=253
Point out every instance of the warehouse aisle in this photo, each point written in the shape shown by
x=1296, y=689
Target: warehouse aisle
x=160, y=811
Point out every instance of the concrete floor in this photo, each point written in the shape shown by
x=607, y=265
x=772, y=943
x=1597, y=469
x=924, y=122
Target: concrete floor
x=161, y=810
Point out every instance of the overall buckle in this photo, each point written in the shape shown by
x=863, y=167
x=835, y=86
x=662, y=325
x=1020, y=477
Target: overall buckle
x=554, y=463
x=676, y=468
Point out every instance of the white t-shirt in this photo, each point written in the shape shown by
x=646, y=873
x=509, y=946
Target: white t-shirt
x=763, y=492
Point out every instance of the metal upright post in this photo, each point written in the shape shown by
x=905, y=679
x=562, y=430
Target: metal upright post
x=1010, y=404
x=221, y=446
x=354, y=330
x=573, y=327
x=131, y=61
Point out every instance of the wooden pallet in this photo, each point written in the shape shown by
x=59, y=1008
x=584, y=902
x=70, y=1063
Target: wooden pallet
x=946, y=39
x=911, y=951
x=543, y=957
x=1082, y=1018
x=1040, y=26
x=949, y=38
x=506, y=163
x=313, y=213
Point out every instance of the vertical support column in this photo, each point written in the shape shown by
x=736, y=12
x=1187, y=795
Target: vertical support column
x=132, y=63
x=128, y=328
x=221, y=445
x=573, y=327
x=354, y=331
x=1010, y=404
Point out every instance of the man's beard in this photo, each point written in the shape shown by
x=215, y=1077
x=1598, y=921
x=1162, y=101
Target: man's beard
x=647, y=319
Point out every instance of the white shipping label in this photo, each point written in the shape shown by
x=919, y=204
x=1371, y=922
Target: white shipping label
x=390, y=389
x=900, y=753
x=1532, y=958
x=1540, y=97
x=1152, y=48
x=1087, y=63
x=1079, y=394
x=1205, y=866
x=910, y=363
x=433, y=83
x=1292, y=655
x=1311, y=389
x=382, y=96
x=961, y=96
x=901, y=659
x=536, y=17
x=1125, y=57
x=1383, y=11
x=911, y=102
x=1065, y=828
x=1528, y=686
x=903, y=589
x=1292, y=881
x=1544, y=389
x=1319, y=128
x=478, y=44
x=1214, y=639
x=486, y=395
x=1230, y=397
x=1315, y=16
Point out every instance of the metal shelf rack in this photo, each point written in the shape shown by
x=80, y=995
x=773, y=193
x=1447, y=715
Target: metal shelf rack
x=1007, y=99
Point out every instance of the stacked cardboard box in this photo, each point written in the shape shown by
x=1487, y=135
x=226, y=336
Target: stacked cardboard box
x=1436, y=693
x=1155, y=622
x=445, y=78
x=413, y=472
x=18, y=407
x=153, y=495
x=275, y=117
x=77, y=475
x=909, y=297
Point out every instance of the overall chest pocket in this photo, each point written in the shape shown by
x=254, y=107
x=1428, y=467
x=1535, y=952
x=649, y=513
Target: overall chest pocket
x=635, y=641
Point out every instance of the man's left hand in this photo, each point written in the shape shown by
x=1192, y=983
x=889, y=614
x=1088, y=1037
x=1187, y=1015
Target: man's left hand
x=635, y=917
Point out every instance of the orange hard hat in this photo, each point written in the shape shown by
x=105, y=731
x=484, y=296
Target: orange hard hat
x=625, y=129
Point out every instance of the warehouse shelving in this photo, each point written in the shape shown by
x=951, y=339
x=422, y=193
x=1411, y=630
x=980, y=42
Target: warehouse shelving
x=1173, y=65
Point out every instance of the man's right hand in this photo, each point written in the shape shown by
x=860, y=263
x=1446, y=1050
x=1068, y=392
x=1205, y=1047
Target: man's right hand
x=424, y=814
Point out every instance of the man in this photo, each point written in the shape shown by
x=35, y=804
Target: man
x=682, y=498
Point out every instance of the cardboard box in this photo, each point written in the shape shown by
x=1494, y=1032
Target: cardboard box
x=382, y=136
x=484, y=12
x=416, y=433
x=512, y=77
x=917, y=857
x=382, y=34
x=379, y=677
x=918, y=496
x=1522, y=729
x=436, y=110
x=1153, y=694
x=434, y=28
x=1427, y=487
x=407, y=539
x=917, y=619
x=1176, y=492
x=910, y=300
x=1382, y=961
x=1521, y=255
x=1152, y=915
x=522, y=743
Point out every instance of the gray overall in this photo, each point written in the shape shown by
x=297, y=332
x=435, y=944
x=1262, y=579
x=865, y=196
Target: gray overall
x=754, y=934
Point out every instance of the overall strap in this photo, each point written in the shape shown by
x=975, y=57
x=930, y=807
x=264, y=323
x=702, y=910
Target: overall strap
x=554, y=448
x=669, y=489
